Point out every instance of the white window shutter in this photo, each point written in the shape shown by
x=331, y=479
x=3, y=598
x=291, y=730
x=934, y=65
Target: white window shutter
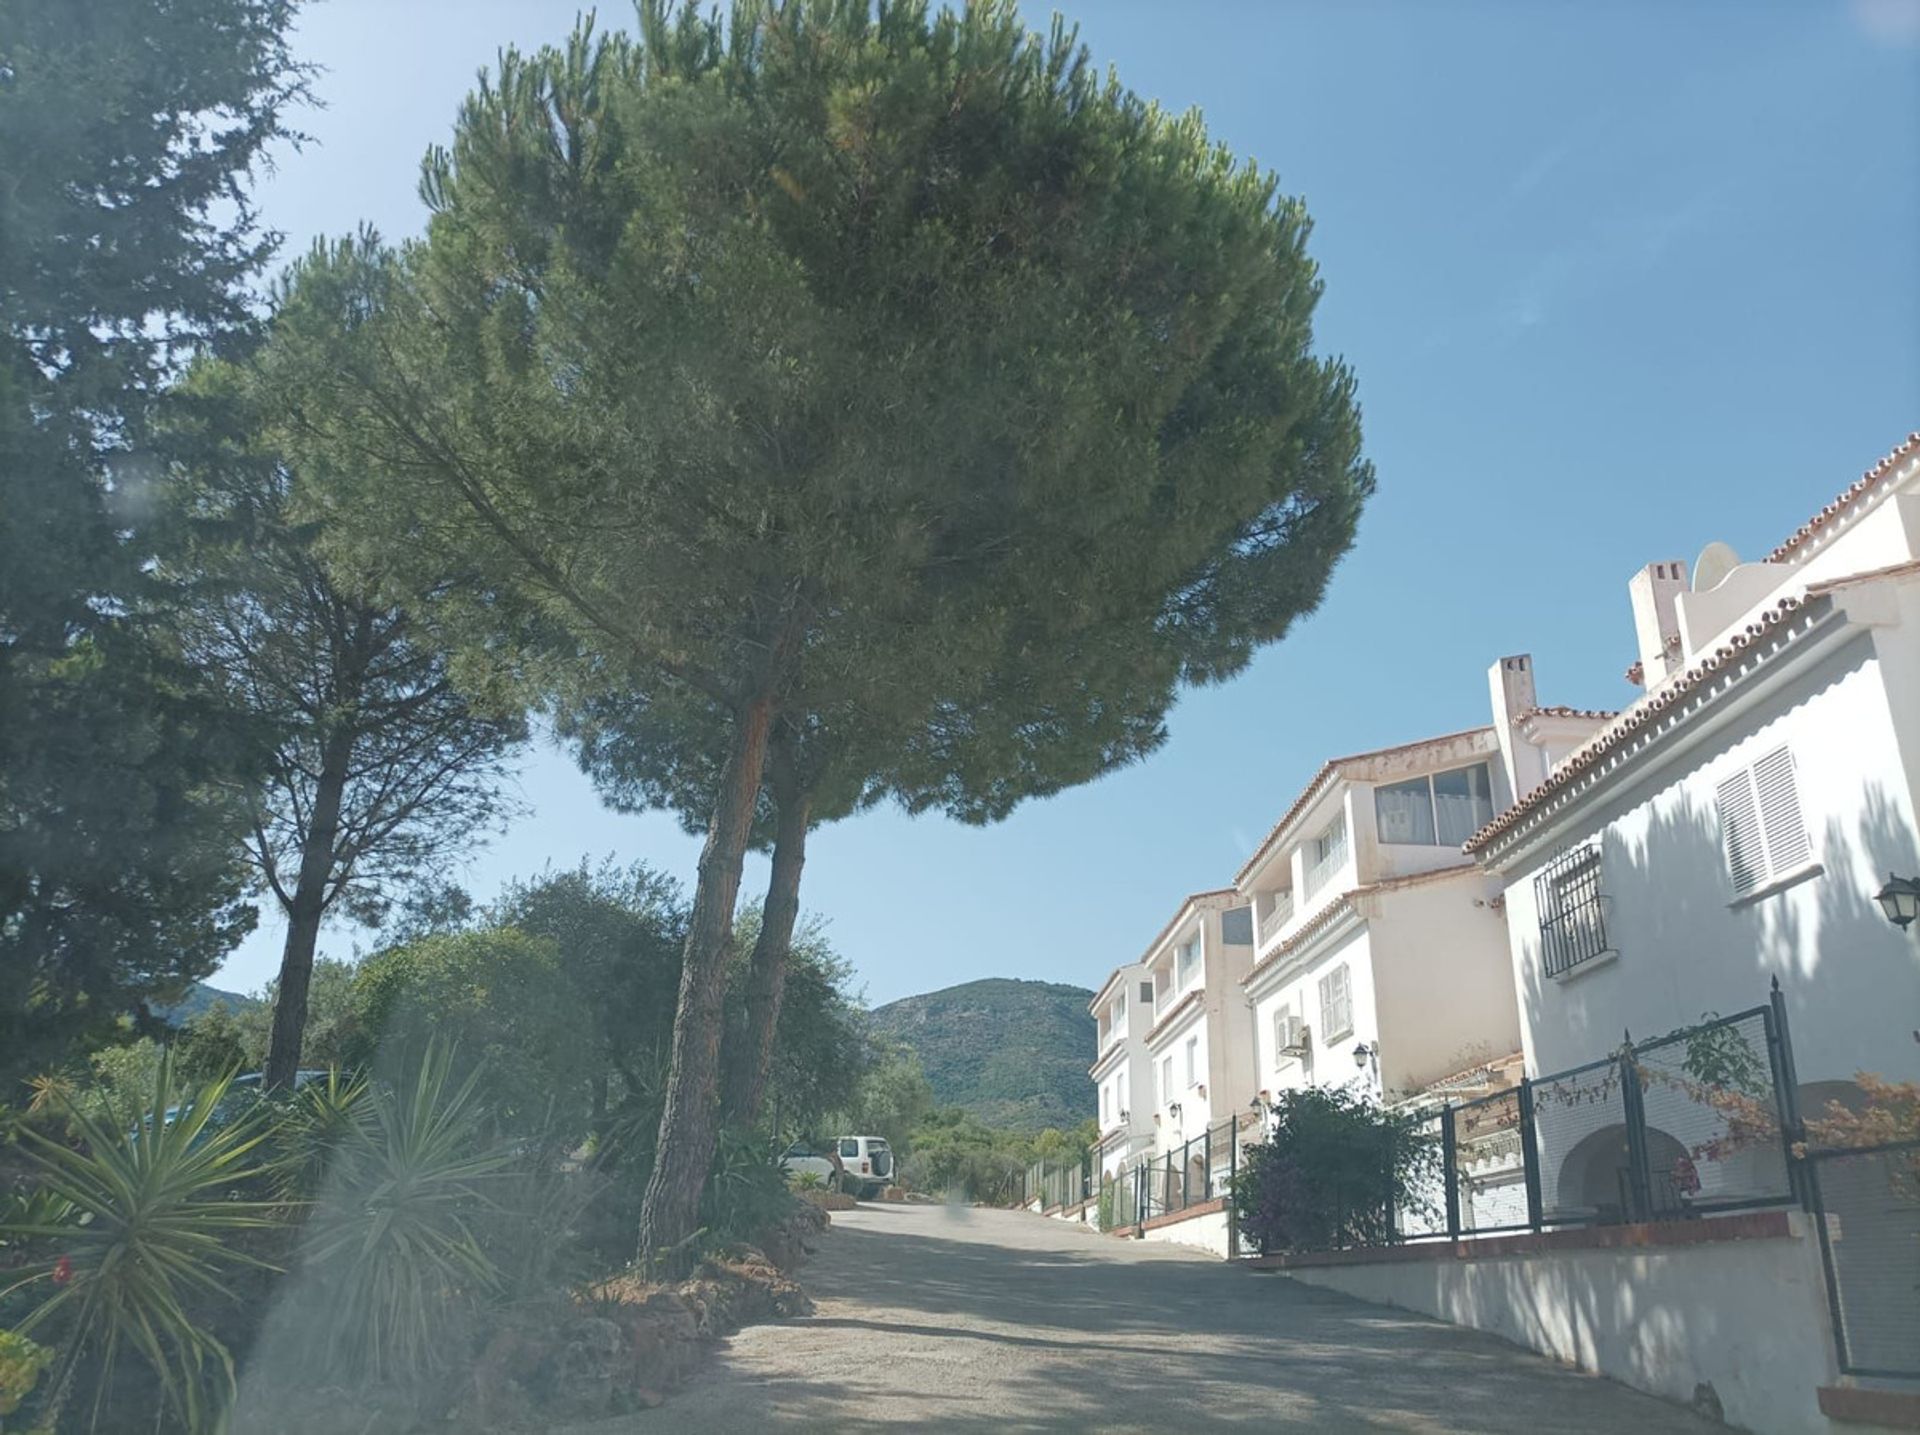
x=1788, y=846
x=1741, y=833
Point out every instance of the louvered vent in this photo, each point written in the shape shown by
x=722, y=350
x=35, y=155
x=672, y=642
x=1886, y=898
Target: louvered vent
x=1740, y=831
x=1760, y=822
x=1787, y=844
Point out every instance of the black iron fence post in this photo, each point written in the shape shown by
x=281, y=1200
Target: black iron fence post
x=1206, y=1149
x=1450, y=1169
x=1530, y=1156
x=1634, y=1111
x=1786, y=1093
x=1233, y=1175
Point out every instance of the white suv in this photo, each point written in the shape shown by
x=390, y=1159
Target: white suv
x=862, y=1165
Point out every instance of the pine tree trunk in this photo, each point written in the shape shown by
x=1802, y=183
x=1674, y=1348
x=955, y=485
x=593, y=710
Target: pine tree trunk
x=670, y=1209
x=304, y=914
x=749, y=1064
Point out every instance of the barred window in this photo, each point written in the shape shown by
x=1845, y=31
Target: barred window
x=1573, y=923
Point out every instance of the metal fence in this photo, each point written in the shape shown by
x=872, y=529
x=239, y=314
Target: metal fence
x=1866, y=1203
x=1686, y=1125
x=1058, y=1183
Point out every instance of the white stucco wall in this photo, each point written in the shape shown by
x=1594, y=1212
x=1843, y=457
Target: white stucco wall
x=1686, y=946
x=1747, y=1317
x=1206, y=1233
x=1327, y=1063
x=1443, y=978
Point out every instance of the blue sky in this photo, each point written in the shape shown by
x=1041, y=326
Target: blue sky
x=1616, y=280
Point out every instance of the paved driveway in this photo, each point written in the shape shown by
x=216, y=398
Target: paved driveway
x=971, y=1320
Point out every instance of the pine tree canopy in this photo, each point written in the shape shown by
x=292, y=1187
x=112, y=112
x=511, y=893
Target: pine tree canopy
x=906, y=336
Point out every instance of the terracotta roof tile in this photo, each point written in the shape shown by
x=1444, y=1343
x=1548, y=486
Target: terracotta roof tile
x=1847, y=498
x=1617, y=733
x=1566, y=712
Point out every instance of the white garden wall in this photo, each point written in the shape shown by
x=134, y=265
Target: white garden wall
x=1747, y=1317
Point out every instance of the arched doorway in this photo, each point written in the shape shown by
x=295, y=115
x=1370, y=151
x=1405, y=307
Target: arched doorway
x=1596, y=1181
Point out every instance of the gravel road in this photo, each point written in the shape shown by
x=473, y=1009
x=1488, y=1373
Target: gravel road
x=971, y=1320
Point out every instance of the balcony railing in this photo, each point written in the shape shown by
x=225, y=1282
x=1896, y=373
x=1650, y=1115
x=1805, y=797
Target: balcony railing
x=1271, y=924
x=1320, y=873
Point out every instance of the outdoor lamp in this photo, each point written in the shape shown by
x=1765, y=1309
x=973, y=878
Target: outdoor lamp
x=1362, y=1054
x=1900, y=900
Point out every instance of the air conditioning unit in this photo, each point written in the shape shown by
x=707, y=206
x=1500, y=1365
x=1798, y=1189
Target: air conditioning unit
x=1295, y=1040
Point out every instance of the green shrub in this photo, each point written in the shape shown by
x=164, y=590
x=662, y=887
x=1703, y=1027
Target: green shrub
x=21, y=1362
x=747, y=1190
x=391, y=1248
x=1332, y=1171
x=1105, y=1209
x=500, y=1001
x=130, y=1233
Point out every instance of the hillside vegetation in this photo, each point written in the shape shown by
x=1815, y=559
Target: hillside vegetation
x=1014, y=1053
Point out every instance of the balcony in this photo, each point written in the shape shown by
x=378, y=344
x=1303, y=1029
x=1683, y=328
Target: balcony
x=1281, y=914
x=1322, y=871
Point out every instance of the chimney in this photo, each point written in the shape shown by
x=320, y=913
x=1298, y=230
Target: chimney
x=1656, y=622
x=1510, y=684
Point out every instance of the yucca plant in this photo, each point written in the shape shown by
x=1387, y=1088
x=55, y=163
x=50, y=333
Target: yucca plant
x=128, y=1232
x=313, y=1125
x=391, y=1240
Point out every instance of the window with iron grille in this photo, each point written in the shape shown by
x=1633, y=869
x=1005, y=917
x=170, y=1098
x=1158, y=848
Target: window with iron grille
x=1573, y=920
x=1760, y=823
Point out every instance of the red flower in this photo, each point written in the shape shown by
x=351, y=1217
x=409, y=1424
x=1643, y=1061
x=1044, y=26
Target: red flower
x=63, y=1270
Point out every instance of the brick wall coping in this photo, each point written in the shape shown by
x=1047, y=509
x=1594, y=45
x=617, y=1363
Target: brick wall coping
x=1745, y=1226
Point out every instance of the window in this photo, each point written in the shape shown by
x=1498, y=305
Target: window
x=1146, y=993
x=1193, y=1061
x=1326, y=853
x=1282, y=1035
x=1760, y=823
x=1106, y=1103
x=1443, y=810
x=849, y=1149
x=1166, y=1079
x=1120, y=1007
x=1573, y=927
x=1336, y=1004
x=1186, y=962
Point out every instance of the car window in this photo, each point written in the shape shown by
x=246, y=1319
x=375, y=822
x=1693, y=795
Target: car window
x=876, y=1145
x=849, y=1146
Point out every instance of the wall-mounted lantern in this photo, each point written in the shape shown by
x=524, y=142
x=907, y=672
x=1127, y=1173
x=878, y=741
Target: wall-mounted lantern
x=1900, y=900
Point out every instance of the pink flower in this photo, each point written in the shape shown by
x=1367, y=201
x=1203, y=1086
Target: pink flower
x=63, y=1270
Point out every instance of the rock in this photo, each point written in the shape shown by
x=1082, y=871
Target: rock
x=587, y=1366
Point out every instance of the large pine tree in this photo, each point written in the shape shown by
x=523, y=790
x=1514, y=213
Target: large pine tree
x=841, y=366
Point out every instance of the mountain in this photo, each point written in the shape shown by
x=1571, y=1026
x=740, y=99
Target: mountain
x=199, y=997
x=1014, y=1053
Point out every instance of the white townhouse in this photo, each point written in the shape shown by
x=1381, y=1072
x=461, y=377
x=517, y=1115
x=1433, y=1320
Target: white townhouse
x=1199, y=1063
x=1380, y=955
x=1123, y=1012
x=1736, y=823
